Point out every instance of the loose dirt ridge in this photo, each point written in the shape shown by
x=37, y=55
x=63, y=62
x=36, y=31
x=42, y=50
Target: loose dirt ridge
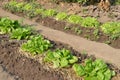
x=100, y=50
x=4, y=75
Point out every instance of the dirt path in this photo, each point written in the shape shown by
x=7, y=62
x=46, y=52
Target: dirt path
x=100, y=50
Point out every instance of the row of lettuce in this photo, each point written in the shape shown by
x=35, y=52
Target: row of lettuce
x=32, y=9
x=59, y=58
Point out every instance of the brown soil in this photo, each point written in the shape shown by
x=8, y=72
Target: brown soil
x=4, y=75
x=24, y=68
x=90, y=10
x=29, y=68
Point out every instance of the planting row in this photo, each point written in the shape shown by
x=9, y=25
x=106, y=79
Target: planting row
x=59, y=58
x=32, y=9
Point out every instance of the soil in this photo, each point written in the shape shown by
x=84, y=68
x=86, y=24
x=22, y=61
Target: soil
x=86, y=33
x=24, y=68
x=89, y=10
x=4, y=75
x=28, y=68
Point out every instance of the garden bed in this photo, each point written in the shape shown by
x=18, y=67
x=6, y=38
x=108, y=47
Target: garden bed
x=23, y=62
x=98, y=49
x=22, y=67
x=76, y=29
x=11, y=49
x=26, y=66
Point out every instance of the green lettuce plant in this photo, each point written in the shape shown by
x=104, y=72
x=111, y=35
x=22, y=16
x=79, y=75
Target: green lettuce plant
x=90, y=22
x=37, y=45
x=7, y=25
x=21, y=33
x=60, y=58
x=61, y=16
x=30, y=6
x=94, y=70
x=112, y=29
x=14, y=6
x=49, y=13
x=10, y=5
x=35, y=12
x=75, y=19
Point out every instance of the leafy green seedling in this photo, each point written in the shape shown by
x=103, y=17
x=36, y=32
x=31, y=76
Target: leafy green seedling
x=19, y=6
x=11, y=6
x=35, y=12
x=49, y=13
x=21, y=33
x=60, y=58
x=96, y=34
x=112, y=29
x=75, y=19
x=12, y=3
x=94, y=70
x=107, y=42
x=67, y=28
x=38, y=11
x=7, y=25
x=61, y=16
x=27, y=7
x=90, y=22
x=78, y=30
x=30, y=6
x=37, y=45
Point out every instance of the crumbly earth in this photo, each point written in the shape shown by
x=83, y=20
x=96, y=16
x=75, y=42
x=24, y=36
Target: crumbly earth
x=4, y=75
x=22, y=67
x=91, y=10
